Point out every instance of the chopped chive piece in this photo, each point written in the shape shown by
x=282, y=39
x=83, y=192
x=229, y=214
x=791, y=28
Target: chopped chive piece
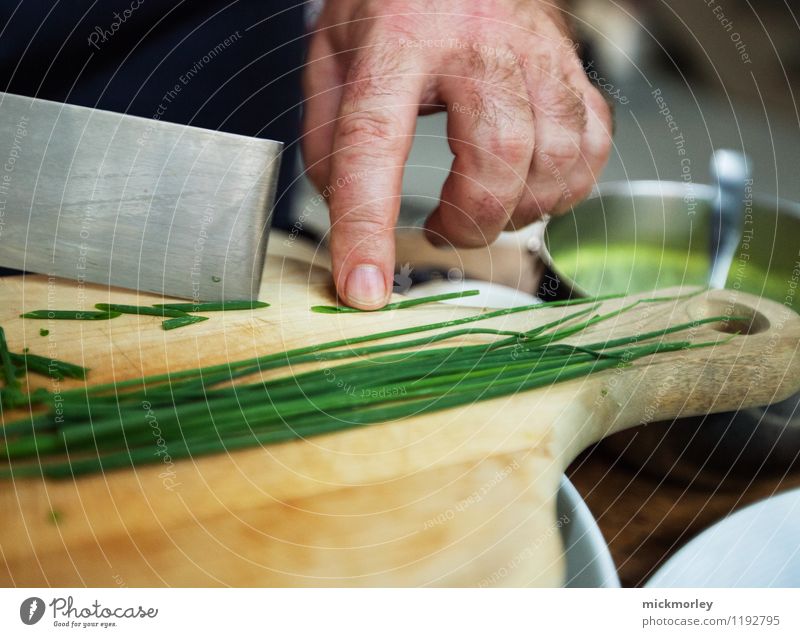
x=139, y=309
x=342, y=309
x=182, y=321
x=70, y=315
x=49, y=366
x=44, y=332
x=216, y=279
x=214, y=307
x=11, y=395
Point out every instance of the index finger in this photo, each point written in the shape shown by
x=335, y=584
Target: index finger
x=371, y=142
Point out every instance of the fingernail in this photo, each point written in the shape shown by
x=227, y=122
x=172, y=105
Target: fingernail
x=366, y=286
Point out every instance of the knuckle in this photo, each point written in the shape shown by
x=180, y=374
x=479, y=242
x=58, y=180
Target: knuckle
x=463, y=231
x=513, y=149
x=376, y=128
x=489, y=210
x=359, y=226
x=561, y=153
x=476, y=204
x=386, y=20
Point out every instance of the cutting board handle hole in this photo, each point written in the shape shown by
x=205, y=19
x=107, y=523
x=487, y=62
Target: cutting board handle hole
x=753, y=321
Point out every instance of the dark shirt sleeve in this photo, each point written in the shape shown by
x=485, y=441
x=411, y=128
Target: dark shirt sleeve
x=219, y=64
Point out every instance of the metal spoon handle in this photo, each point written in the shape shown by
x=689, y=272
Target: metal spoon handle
x=731, y=171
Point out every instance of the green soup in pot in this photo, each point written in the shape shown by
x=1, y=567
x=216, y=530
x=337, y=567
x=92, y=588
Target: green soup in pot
x=601, y=269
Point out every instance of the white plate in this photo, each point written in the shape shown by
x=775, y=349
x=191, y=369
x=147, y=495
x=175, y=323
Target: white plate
x=757, y=547
x=589, y=563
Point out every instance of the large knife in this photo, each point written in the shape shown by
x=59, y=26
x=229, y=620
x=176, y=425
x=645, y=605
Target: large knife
x=128, y=201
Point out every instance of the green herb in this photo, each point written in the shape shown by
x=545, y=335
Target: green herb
x=216, y=279
x=200, y=411
x=182, y=321
x=11, y=393
x=138, y=309
x=49, y=366
x=341, y=309
x=44, y=332
x=55, y=517
x=214, y=307
x=320, y=352
x=70, y=315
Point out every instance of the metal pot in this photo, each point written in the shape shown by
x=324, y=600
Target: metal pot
x=644, y=235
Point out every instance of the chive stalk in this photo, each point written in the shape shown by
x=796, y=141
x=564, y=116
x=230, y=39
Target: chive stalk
x=182, y=321
x=223, y=306
x=138, y=309
x=70, y=315
x=343, y=309
x=49, y=366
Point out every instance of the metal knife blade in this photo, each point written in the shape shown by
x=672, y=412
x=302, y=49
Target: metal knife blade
x=133, y=202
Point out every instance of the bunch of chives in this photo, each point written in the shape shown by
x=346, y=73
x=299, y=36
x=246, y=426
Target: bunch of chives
x=203, y=411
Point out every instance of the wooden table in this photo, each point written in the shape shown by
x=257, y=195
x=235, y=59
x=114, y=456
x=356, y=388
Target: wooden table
x=645, y=519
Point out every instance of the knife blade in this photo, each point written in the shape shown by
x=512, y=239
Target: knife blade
x=127, y=201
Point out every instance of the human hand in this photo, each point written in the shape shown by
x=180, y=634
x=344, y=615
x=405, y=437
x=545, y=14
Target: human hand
x=528, y=130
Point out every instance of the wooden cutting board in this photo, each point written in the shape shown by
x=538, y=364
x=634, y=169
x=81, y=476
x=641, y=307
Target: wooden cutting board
x=460, y=497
